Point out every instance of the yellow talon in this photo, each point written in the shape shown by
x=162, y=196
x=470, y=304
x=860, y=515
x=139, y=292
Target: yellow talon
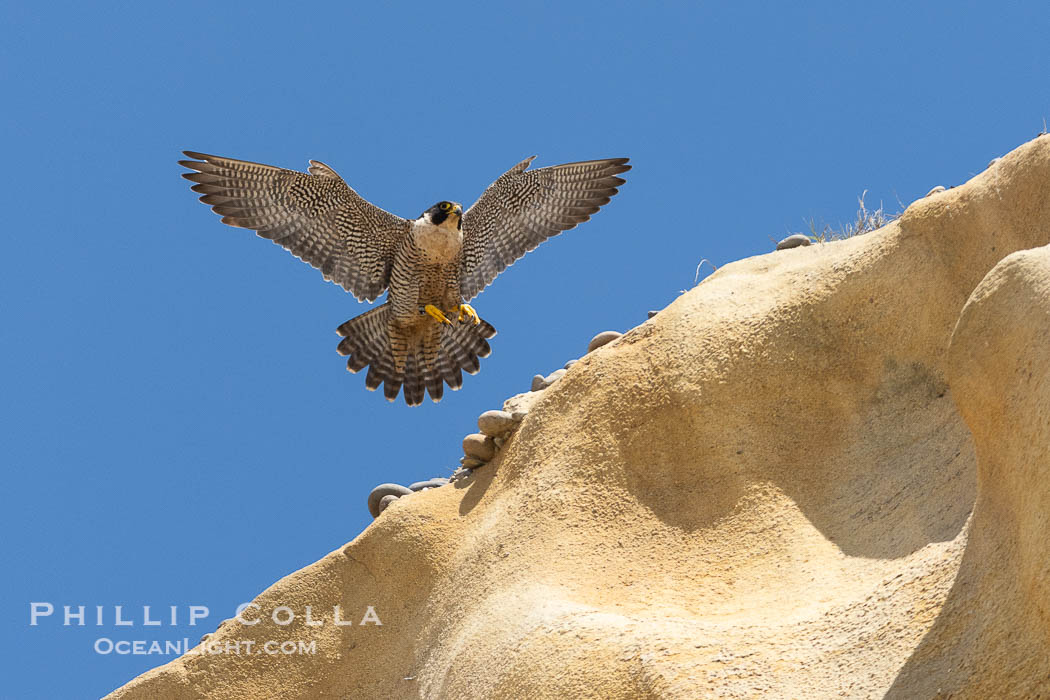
x=467, y=311
x=436, y=313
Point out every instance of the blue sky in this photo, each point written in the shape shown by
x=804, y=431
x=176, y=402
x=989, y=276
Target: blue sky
x=176, y=427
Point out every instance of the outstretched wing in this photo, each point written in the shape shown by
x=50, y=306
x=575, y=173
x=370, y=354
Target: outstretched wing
x=525, y=207
x=317, y=217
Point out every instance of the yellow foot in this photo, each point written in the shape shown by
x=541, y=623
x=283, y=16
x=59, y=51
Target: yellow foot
x=467, y=311
x=436, y=313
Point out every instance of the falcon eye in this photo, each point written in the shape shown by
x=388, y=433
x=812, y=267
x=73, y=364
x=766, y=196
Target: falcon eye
x=446, y=206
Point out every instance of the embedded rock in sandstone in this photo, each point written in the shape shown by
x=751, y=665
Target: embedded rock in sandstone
x=554, y=376
x=386, y=501
x=663, y=526
x=375, y=498
x=496, y=423
x=479, y=446
x=603, y=338
x=538, y=383
x=436, y=482
x=794, y=241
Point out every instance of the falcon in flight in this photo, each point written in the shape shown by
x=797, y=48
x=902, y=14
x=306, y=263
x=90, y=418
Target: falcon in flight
x=425, y=333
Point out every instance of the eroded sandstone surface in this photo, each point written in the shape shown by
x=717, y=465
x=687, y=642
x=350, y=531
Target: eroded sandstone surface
x=823, y=472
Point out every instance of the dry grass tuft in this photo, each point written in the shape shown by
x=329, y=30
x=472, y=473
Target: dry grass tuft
x=866, y=221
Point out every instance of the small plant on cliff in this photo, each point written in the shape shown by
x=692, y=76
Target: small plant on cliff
x=866, y=221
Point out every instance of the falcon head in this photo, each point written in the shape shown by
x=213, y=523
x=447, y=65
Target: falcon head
x=448, y=214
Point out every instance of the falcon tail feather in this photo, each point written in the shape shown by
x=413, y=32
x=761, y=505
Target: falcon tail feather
x=418, y=365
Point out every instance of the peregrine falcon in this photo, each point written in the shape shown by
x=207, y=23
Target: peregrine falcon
x=425, y=333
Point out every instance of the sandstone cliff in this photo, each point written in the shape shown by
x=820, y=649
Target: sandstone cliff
x=823, y=472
